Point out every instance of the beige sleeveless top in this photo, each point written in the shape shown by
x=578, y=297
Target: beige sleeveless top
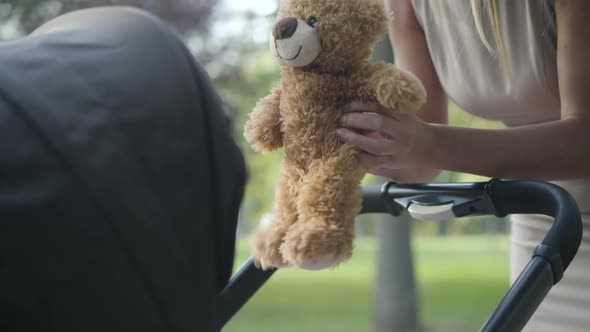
x=478, y=83
x=476, y=79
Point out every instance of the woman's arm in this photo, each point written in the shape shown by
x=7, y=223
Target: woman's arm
x=411, y=54
x=549, y=151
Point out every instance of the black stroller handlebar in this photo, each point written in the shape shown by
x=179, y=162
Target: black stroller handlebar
x=443, y=201
x=563, y=239
x=496, y=197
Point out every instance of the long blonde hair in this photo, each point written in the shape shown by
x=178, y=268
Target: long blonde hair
x=493, y=12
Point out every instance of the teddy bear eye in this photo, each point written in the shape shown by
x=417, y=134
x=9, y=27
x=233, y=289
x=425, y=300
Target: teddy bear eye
x=312, y=20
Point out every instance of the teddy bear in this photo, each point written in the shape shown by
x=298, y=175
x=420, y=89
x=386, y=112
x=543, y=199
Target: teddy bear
x=324, y=49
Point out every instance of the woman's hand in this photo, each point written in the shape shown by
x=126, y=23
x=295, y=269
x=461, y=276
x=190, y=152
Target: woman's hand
x=389, y=143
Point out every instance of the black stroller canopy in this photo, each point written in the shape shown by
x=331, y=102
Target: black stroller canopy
x=119, y=181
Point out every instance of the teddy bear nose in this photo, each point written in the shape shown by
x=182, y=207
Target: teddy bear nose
x=285, y=28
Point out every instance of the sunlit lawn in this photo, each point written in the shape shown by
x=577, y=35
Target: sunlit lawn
x=460, y=279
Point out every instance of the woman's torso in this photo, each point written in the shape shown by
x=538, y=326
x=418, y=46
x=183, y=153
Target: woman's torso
x=475, y=79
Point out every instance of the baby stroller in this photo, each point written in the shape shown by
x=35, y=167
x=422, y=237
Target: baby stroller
x=120, y=186
x=445, y=201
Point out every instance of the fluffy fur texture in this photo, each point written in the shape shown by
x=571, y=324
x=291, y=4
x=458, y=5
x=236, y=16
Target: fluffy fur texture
x=318, y=195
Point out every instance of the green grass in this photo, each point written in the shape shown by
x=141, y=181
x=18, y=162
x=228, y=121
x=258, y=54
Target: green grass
x=460, y=280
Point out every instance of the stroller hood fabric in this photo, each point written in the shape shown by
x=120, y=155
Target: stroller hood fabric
x=120, y=182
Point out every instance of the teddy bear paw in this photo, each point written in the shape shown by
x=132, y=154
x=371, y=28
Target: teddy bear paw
x=269, y=262
x=317, y=263
x=266, y=259
x=406, y=94
x=266, y=244
x=262, y=139
x=312, y=247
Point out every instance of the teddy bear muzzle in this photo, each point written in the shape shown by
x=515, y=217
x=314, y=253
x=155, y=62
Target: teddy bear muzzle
x=294, y=42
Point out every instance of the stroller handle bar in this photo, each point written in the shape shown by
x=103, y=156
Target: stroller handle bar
x=443, y=201
x=500, y=198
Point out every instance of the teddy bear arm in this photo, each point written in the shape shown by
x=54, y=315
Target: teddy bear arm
x=398, y=90
x=263, y=128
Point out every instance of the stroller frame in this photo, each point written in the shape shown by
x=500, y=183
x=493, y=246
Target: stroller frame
x=442, y=201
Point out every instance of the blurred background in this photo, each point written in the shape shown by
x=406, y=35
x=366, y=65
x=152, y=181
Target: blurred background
x=405, y=276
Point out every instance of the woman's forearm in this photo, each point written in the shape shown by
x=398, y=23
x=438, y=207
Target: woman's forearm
x=549, y=151
x=409, y=175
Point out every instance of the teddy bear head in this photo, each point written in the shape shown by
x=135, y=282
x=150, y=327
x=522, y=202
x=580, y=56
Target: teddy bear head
x=327, y=35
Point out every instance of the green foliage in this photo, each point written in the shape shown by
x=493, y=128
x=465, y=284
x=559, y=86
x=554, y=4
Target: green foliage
x=460, y=280
x=256, y=75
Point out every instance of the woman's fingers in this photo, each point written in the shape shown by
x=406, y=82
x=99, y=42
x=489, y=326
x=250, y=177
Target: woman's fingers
x=376, y=146
x=378, y=165
x=370, y=121
x=386, y=142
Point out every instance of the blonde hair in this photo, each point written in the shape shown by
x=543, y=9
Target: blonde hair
x=492, y=10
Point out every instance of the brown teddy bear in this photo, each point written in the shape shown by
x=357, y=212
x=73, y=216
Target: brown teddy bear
x=324, y=47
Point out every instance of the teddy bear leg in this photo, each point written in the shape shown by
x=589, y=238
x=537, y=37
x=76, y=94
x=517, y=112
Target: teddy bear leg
x=328, y=203
x=268, y=238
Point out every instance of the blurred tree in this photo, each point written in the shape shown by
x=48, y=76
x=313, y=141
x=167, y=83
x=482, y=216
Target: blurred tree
x=186, y=16
x=396, y=303
x=244, y=70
